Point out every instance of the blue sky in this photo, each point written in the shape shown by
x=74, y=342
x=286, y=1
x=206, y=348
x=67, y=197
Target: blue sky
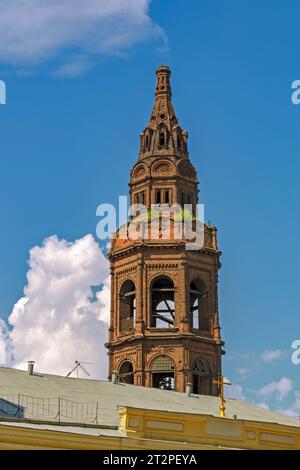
x=70, y=134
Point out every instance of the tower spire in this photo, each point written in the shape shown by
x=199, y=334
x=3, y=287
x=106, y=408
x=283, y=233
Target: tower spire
x=163, y=135
x=163, y=85
x=164, y=328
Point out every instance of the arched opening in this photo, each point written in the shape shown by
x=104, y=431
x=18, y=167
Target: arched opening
x=163, y=196
x=163, y=133
x=127, y=306
x=167, y=197
x=199, y=305
x=158, y=194
x=140, y=198
x=162, y=138
x=202, y=379
x=125, y=374
x=163, y=373
x=162, y=303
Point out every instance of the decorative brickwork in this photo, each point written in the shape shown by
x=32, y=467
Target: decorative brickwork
x=164, y=326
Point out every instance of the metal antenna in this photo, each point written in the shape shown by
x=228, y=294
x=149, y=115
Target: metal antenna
x=78, y=366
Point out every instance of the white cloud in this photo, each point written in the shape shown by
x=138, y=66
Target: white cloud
x=297, y=401
x=293, y=409
x=5, y=345
x=279, y=389
x=2, y=343
x=75, y=67
x=271, y=355
x=60, y=318
x=32, y=31
x=234, y=391
x=244, y=372
x=288, y=412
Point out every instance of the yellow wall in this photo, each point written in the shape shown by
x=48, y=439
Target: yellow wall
x=149, y=429
x=17, y=438
x=207, y=430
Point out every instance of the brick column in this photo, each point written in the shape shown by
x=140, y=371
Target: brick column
x=139, y=323
x=112, y=326
x=183, y=299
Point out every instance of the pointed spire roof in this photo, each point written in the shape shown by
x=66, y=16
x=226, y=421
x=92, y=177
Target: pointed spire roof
x=163, y=135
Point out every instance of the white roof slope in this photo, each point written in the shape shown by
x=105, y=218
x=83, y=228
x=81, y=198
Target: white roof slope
x=109, y=396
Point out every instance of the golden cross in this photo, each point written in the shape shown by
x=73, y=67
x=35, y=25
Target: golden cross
x=221, y=382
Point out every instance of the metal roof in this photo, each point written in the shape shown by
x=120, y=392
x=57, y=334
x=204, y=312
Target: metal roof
x=78, y=394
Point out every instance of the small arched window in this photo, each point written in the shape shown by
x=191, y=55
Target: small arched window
x=167, y=196
x=199, y=305
x=147, y=141
x=163, y=306
x=139, y=198
x=158, y=194
x=162, y=138
x=125, y=374
x=127, y=306
x=163, y=373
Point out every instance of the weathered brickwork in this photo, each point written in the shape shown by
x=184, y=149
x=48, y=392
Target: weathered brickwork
x=164, y=326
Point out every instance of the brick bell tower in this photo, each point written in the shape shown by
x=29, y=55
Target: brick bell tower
x=164, y=325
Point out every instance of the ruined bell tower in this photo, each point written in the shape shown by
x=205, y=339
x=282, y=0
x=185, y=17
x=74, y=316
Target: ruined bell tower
x=164, y=326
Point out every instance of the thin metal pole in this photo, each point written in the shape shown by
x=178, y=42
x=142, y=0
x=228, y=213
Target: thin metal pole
x=97, y=407
x=19, y=411
x=59, y=410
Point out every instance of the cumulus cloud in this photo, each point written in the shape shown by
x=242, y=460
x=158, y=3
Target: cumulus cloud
x=62, y=316
x=271, y=355
x=6, y=357
x=293, y=409
x=297, y=401
x=234, y=391
x=288, y=412
x=32, y=31
x=76, y=66
x=3, y=329
x=279, y=389
x=244, y=372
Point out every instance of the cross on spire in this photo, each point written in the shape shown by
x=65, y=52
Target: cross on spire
x=221, y=382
